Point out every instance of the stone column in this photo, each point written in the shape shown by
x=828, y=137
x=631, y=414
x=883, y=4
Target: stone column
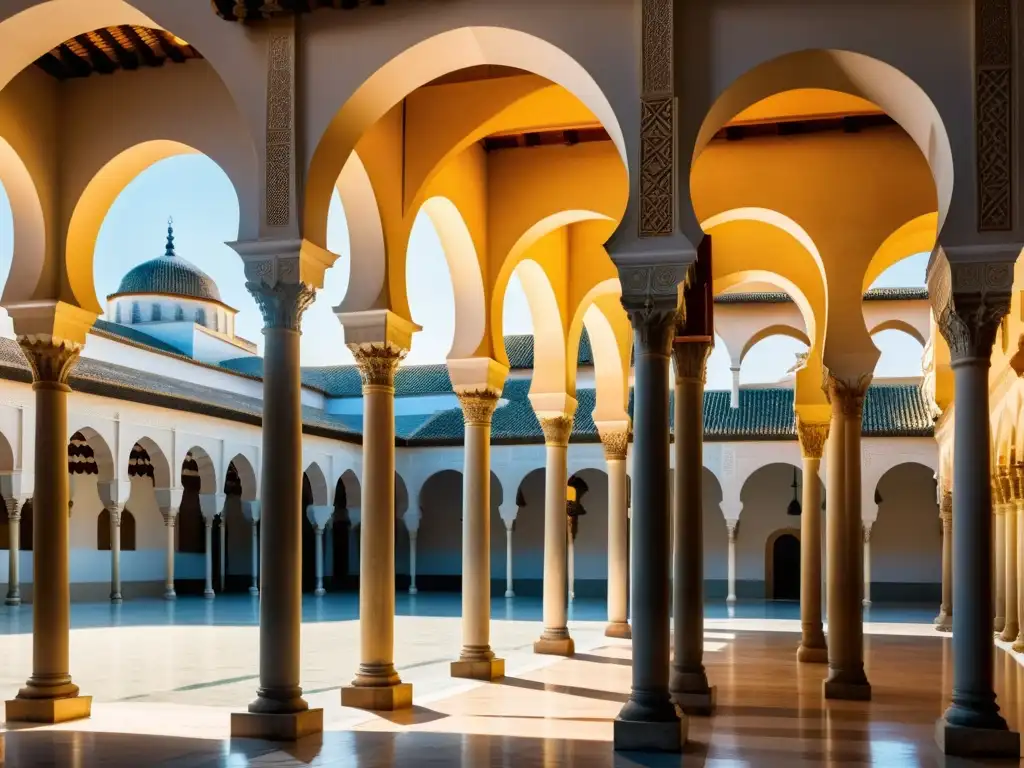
x=318, y=531
x=14, y=505
x=1017, y=485
x=813, y=649
x=476, y=659
x=223, y=543
x=944, y=621
x=734, y=395
x=555, y=637
x=866, y=530
x=254, y=588
x=115, y=553
x=279, y=711
x=570, y=561
x=377, y=685
x=616, y=445
x=50, y=696
x=208, y=592
x=649, y=720
x=689, y=682
x=732, y=529
x=999, y=559
x=846, y=678
x=509, y=525
x=1011, y=626
x=413, y=535
x=170, y=516
x=970, y=301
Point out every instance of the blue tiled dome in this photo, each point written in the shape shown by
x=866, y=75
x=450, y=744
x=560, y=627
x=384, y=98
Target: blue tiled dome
x=170, y=274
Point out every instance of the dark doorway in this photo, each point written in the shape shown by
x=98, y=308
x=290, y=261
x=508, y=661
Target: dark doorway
x=308, y=539
x=786, y=568
x=340, y=531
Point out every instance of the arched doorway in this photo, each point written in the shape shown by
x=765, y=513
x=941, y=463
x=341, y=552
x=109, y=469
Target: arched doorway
x=782, y=574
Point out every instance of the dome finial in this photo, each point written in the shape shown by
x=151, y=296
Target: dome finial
x=169, y=251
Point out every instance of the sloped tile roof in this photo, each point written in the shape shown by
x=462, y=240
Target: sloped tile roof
x=519, y=348
x=779, y=297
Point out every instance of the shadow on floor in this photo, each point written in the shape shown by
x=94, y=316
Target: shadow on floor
x=571, y=690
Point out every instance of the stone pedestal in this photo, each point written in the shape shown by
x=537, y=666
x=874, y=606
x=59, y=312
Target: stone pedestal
x=385, y=698
x=288, y=727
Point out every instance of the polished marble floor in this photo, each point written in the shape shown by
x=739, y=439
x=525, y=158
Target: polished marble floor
x=166, y=677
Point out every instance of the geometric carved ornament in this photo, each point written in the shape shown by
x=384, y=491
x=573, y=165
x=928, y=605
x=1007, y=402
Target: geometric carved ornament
x=993, y=113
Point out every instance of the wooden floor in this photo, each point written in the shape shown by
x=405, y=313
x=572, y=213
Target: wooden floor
x=770, y=708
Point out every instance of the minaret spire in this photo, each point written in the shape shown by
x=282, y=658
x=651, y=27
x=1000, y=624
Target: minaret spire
x=169, y=250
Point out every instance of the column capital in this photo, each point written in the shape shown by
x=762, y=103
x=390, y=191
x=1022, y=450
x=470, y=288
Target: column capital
x=691, y=360
x=731, y=527
x=14, y=505
x=281, y=304
x=812, y=437
x=654, y=326
x=115, y=510
x=377, y=364
x=557, y=429
x=866, y=529
x=170, y=516
x=615, y=441
x=51, y=359
x=970, y=290
x=478, y=405
x=848, y=394
x=946, y=507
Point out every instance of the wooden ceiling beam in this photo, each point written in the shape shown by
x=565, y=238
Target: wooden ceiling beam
x=169, y=48
x=52, y=66
x=74, y=66
x=100, y=61
x=143, y=50
x=127, y=59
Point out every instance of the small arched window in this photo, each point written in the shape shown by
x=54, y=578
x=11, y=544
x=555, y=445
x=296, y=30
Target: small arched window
x=136, y=312
x=201, y=316
x=155, y=315
x=179, y=313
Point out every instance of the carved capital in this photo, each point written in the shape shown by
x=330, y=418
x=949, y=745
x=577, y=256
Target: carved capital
x=170, y=517
x=653, y=314
x=970, y=300
x=732, y=527
x=812, y=437
x=866, y=530
x=615, y=443
x=691, y=360
x=377, y=364
x=557, y=429
x=13, y=505
x=478, y=406
x=848, y=395
x=946, y=508
x=282, y=304
x=52, y=359
x=115, y=510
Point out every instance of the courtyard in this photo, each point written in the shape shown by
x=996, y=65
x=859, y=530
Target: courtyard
x=165, y=677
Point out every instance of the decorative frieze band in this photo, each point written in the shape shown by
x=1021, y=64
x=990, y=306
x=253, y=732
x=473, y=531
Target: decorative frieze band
x=993, y=107
x=280, y=128
x=657, y=121
x=970, y=300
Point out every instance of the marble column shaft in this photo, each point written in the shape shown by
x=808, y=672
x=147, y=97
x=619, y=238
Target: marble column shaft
x=476, y=659
x=208, y=592
x=377, y=684
x=509, y=591
x=689, y=681
x=413, y=536
x=649, y=699
x=280, y=693
x=170, y=520
x=866, y=566
x=731, y=530
x=50, y=681
x=999, y=563
x=318, y=532
x=844, y=535
x=616, y=446
x=254, y=588
x=115, y=553
x=1017, y=488
x=813, y=648
x=1011, y=625
x=944, y=621
x=555, y=638
x=14, y=551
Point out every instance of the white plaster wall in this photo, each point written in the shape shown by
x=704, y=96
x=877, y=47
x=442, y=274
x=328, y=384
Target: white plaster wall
x=906, y=538
x=439, y=543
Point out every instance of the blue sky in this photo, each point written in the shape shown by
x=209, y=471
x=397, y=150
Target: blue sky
x=203, y=203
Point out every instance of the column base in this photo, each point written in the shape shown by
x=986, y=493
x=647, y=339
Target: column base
x=170, y=595
x=413, y=591
x=320, y=592
x=1009, y=633
x=551, y=647
x=620, y=629
x=254, y=591
x=479, y=670
x=209, y=594
x=509, y=593
x=812, y=655
x=998, y=623
x=288, y=727
x=699, y=704
x=646, y=736
x=958, y=741
x=843, y=690
x=1018, y=644
x=865, y=603
x=12, y=600
x=116, y=599
x=48, y=711
x=943, y=622
x=731, y=599
x=377, y=698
